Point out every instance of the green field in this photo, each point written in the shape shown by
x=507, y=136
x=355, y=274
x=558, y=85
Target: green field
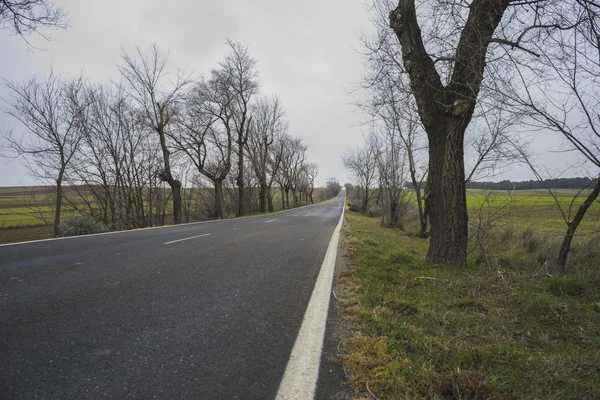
x=535, y=209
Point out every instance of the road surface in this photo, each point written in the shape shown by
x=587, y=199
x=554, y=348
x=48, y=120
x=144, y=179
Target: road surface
x=204, y=311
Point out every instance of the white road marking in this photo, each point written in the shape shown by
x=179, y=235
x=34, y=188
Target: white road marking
x=188, y=238
x=300, y=379
x=269, y=221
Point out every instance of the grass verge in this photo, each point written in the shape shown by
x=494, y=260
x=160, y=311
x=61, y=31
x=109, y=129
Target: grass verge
x=434, y=332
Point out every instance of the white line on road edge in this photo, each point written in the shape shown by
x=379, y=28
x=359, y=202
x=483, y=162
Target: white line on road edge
x=269, y=221
x=300, y=379
x=188, y=238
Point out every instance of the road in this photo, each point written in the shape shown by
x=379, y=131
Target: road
x=203, y=311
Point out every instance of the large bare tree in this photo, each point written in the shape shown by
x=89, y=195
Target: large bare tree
x=206, y=133
x=50, y=109
x=158, y=102
x=446, y=57
x=268, y=124
x=239, y=69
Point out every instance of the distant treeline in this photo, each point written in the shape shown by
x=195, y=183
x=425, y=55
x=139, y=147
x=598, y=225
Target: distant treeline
x=559, y=183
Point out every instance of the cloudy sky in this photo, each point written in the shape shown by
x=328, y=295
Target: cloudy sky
x=307, y=52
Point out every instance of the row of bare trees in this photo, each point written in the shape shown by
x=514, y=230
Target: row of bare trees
x=216, y=143
x=452, y=84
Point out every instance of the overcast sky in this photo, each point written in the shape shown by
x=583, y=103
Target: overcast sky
x=307, y=52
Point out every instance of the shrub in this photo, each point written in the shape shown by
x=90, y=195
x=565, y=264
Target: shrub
x=354, y=207
x=76, y=225
x=374, y=210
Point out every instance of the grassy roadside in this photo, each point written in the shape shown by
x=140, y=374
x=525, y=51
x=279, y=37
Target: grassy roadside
x=443, y=333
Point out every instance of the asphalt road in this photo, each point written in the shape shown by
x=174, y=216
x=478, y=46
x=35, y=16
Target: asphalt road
x=145, y=314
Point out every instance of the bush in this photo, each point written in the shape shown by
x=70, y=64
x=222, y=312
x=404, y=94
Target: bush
x=76, y=225
x=354, y=207
x=374, y=210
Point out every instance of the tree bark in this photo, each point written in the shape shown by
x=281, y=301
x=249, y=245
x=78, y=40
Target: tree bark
x=287, y=198
x=270, y=199
x=219, y=200
x=263, y=197
x=446, y=200
x=59, y=198
x=176, y=190
x=565, y=248
x=240, y=182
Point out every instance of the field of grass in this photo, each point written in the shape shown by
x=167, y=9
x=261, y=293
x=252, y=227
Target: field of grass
x=532, y=208
x=433, y=332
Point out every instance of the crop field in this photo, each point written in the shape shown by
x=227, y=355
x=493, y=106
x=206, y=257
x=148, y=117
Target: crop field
x=534, y=209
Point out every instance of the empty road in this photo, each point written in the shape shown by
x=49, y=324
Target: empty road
x=199, y=311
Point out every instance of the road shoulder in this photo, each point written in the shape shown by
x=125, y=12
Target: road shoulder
x=332, y=382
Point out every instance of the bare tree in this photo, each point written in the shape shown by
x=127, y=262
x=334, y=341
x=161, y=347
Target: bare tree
x=239, y=70
x=446, y=58
x=312, y=170
x=50, y=110
x=158, y=104
x=362, y=165
x=268, y=123
x=333, y=187
x=24, y=17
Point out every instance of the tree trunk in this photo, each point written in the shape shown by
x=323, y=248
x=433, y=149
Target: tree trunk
x=565, y=248
x=282, y=198
x=287, y=198
x=240, y=183
x=445, y=111
x=270, y=199
x=219, y=200
x=365, y=204
x=446, y=199
x=58, y=209
x=263, y=198
x=176, y=190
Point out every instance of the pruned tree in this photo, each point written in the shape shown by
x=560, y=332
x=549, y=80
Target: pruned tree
x=158, y=104
x=268, y=123
x=206, y=129
x=312, y=170
x=239, y=70
x=50, y=109
x=361, y=163
x=446, y=57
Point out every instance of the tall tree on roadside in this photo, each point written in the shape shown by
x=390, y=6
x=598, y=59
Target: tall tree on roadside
x=51, y=111
x=268, y=123
x=446, y=58
x=362, y=165
x=206, y=133
x=239, y=69
x=158, y=103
